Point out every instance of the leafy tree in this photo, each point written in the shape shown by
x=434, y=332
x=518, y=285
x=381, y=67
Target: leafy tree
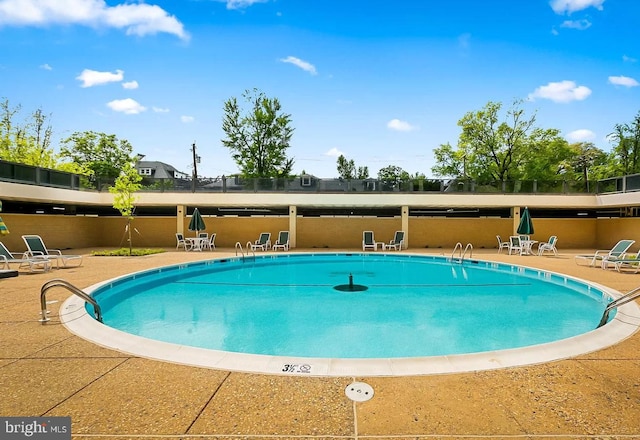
x=627, y=151
x=393, y=175
x=347, y=169
x=586, y=156
x=100, y=155
x=125, y=186
x=28, y=142
x=258, y=138
x=491, y=149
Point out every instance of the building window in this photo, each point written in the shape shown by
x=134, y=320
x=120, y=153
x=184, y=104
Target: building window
x=145, y=171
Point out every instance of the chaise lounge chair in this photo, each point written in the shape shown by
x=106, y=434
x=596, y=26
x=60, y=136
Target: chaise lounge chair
x=263, y=243
x=36, y=248
x=368, y=242
x=282, y=242
x=549, y=246
x=397, y=242
x=627, y=261
x=605, y=255
x=35, y=264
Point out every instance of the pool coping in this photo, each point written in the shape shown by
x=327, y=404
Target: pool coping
x=626, y=322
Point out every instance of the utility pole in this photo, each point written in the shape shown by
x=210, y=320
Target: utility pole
x=196, y=160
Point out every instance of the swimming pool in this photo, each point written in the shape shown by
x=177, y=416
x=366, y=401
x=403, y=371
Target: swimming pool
x=299, y=313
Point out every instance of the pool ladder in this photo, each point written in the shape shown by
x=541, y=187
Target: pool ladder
x=463, y=253
x=71, y=288
x=241, y=250
x=627, y=297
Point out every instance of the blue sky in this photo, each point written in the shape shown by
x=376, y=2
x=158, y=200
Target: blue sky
x=383, y=83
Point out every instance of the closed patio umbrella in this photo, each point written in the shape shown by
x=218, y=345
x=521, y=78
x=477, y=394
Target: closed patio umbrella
x=3, y=227
x=526, y=224
x=197, y=223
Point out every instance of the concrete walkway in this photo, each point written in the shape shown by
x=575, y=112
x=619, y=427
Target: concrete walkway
x=47, y=371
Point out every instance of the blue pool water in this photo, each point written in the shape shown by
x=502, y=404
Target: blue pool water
x=413, y=306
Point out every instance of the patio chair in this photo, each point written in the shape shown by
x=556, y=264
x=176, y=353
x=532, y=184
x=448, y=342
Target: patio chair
x=368, y=242
x=212, y=242
x=263, y=242
x=502, y=244
x=605, y=255
x=282, y=242
x=627, y=261
x=181, y=242
x=549, y=246
x=203, y=241
x=37, y=248
x=515, y=244
x=35, y=264
x=397, y=242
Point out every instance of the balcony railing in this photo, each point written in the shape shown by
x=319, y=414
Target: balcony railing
x=26, y=174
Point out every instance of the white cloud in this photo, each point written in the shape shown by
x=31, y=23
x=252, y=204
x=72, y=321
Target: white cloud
x=398, y=125
x=563, y=91
x=46, y=67
x=576, y=24
x=301, y=64
x=240, y=4
x=135, y=18
x=127, y=106
x=334, y=152
x=623, y=81
x=582, y=135
x=628, y=59
x=92, y=78
x=130, y=85
x=187, y=119
x=160, y=110
x=569, y=6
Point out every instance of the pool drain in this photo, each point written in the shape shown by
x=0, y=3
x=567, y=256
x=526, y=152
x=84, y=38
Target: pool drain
x=350, y=287
x=359, y=391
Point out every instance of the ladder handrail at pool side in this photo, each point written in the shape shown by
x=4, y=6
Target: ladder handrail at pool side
x=249, y=248
x=627, y=297
x=468, y=247
x=71, y=288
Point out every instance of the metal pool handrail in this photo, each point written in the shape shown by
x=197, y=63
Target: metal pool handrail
x=627, y=297
x=71, y=288
x=249, y=248
x=468, y=247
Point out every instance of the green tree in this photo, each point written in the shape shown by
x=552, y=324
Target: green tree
x=28, y=142
x=101, y=156
x=124, y=198
x=493, y=149
x=258, y=137
x=347, y=169
x=626, y=152
x=393, y=175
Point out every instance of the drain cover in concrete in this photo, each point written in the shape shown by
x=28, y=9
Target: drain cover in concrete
x=359, y=391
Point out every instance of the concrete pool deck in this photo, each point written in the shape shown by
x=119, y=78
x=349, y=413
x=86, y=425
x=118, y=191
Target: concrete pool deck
x=47, y=371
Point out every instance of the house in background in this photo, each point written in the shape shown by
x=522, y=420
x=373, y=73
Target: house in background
x=158, y=170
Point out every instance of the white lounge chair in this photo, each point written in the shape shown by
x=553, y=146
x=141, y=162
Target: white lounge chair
x=627, y=261
x=36, y=248
x=212, y=242
x=397, y=242
x=34, y=264
x=549, y=246
x=605, y=255
x=282, y=242
x=263, y=242
x=368, y=242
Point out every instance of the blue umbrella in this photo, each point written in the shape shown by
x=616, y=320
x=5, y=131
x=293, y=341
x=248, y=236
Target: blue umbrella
x=526, y=225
